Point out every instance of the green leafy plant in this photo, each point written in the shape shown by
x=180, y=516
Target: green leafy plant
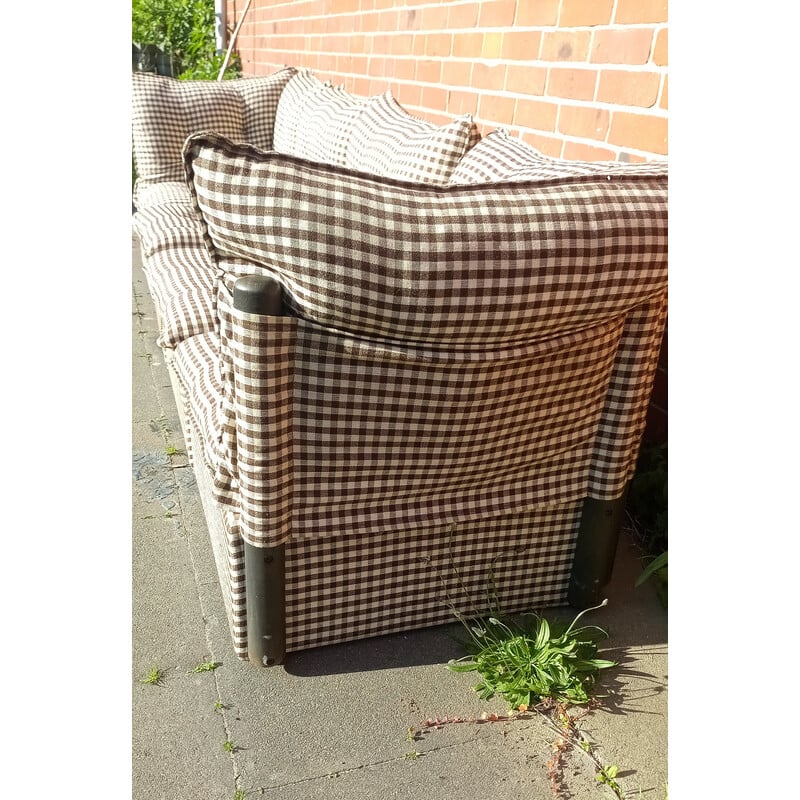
x=155, y=677
x=229, y=747
x=524, y=663
x=183, y=30
x=206, y=666
x=607, y=775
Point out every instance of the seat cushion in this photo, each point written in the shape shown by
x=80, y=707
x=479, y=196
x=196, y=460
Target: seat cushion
x=180, y=273
x=165, y=111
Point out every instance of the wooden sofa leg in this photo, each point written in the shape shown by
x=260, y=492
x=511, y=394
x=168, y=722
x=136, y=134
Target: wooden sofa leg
x=264, y=567
x=595, y=549
x=265, y=582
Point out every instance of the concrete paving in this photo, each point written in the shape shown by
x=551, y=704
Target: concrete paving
x=334, y=722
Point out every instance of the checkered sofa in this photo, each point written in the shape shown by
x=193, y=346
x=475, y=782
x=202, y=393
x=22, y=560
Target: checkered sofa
x=412, y=364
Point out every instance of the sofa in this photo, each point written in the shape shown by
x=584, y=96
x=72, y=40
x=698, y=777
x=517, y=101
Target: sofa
x=412, y=363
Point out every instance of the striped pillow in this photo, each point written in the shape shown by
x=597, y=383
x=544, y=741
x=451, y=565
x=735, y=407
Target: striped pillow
x=457, y=265
x=165, y=111
x=386, y=140
x=500, y=157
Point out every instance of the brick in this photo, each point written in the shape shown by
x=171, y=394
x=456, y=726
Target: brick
x=492, y=44
x=576, y=13
x=572, y=84
x=578, y=151
x=537, y=12
x=496, y=109
x=536, y=114
x=466, y=45
x=486, y=77
x=524, y=79
x=664, y=103
x=434, y=18
x=343, y=6
x=626, y=88
x=408, y=94
x=565, y=45
x=521, y=45
x=428, y=71
x=544, y=144
x=462, y=103
x=435, y=44
x=639, y=132
x=640, y=11
x=622, y=46
x=456, y=73
x=403, y=69
x=410, y=19
x=465, y=16
x=497, y=13
x=584, y=122
x=402, y=44
x=434, y=97
x=660, y=54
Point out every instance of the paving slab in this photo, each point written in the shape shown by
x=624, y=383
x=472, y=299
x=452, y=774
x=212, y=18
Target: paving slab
x=345, y=721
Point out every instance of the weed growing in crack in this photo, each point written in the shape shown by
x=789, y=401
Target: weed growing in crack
x=155, y=677
x=526, y=663
x=206, y=666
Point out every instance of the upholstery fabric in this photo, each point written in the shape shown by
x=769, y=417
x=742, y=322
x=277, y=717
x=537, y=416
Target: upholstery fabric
x=489, y=321
x=165, y=111
x=499, y=156
x=451, y=266
x=180, y=274
x=386, y=140
x=328, y=125
x=296, y=98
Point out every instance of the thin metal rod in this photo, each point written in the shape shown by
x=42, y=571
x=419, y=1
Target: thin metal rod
x=233, y=39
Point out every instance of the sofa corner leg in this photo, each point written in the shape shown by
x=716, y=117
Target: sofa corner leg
x=595, y=549
x=265, y=582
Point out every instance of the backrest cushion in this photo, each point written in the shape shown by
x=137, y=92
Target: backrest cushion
x=314, y=120
x=456, y=265
x=386, y=140
x=165, y=111
x=499, y=156
x=296, y=97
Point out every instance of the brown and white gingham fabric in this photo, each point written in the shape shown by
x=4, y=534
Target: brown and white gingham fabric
x=500, y=157
x=353, y=586
x=166, y=110
x=458, y=267
x=297, y=96
x=325, y=124
x=386, y=140
x=487, y=320
x=180, y=274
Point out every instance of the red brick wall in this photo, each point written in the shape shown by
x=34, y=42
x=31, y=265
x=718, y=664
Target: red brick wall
x=577, y=79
